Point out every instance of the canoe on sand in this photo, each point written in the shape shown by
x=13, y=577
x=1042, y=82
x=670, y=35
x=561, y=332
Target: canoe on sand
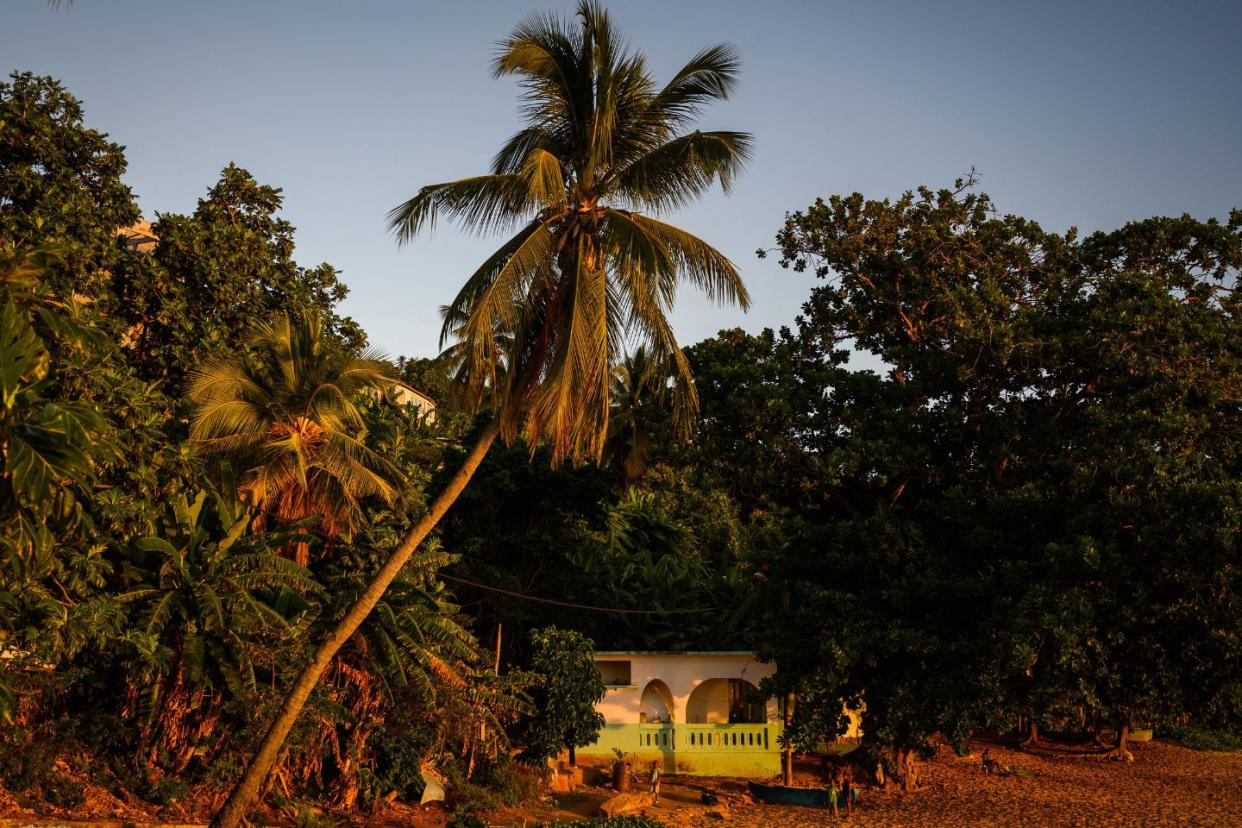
x=783, y=795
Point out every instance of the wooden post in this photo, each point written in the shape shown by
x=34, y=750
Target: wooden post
x=787, y=750
x=786, y=721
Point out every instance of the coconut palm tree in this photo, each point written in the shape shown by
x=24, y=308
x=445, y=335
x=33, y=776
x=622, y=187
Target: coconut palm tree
x=590, y=267
x=603, y=152
x=640, y=385
x=287, y=416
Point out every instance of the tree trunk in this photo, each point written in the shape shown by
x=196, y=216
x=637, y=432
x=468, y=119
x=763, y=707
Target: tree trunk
x=573, y=758
x=247, y=788
x=1032, y=734
x=787, y=751
x=1118, y=751
x=909, y=770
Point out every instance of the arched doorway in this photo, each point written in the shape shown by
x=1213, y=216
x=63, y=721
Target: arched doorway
x=656, y=736
x=656, y=706
x=725, y=701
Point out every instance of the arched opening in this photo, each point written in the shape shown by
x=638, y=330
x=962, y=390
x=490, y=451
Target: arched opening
x=656, y=706
x=726, y=701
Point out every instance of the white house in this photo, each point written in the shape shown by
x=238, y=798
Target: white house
x=694, y=712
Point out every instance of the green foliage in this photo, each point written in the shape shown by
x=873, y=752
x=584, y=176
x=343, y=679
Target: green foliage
x=571, y=686
x=313, y=818
x=1033, y=505
x=31, y=769
x=670, y=542
x=640, y=390
x=206, y=599
x=467, y=819
x=213, y=276
x=289, y=415
x=60, y=184
x=608, y=822
x=1198, y=738
x=50, y=454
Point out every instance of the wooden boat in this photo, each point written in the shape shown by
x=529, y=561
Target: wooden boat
x=784, y=795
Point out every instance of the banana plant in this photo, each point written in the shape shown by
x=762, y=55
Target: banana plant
x=211, y=604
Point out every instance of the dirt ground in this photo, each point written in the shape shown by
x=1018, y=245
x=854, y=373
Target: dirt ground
x=1053, y=786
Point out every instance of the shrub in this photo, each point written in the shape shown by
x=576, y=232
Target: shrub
x=167, y=790
x=1199, y=738
x=63, y=791
x=608, y=822
x=510, y=782
x=468, y=799
x=466, y=821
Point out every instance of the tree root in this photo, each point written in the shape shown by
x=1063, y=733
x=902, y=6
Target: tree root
x=1116, y=754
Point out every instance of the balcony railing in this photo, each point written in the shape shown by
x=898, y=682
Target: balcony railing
x=705, y=737
x=656, y=737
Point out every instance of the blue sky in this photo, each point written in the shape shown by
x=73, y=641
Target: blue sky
x=1075, y=113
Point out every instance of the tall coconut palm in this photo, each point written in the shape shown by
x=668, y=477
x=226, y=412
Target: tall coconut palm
x=591, y=268
x=640, y=385
x=287, y=417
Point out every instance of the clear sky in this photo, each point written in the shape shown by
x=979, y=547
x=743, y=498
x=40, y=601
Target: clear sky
x=1075, y=113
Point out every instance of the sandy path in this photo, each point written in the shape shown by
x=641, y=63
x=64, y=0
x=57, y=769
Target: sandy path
x=1165, y=786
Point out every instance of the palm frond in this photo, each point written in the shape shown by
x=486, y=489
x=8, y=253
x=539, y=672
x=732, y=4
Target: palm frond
x=701, y=264
x=537, y=328
x=678, y=172
x=709, y=76
x=482, y=204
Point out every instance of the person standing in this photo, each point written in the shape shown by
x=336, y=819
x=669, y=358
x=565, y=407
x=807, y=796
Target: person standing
x=834, y=793
x=654, y=781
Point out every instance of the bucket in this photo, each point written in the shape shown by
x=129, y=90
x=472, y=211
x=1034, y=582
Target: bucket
x=621, y=776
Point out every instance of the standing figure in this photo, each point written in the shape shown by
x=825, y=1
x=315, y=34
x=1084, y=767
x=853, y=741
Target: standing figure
x=834, y=793
x=654, y=780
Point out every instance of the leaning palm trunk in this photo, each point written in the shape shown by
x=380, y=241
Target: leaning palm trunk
x=540, y=324
x=247, y=788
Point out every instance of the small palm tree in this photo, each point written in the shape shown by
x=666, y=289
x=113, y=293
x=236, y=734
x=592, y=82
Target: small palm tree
x=287, y=416
x=640, y=386
x=538, y=326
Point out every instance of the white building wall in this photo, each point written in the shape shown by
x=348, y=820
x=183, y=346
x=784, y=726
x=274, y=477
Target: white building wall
x=682, y=672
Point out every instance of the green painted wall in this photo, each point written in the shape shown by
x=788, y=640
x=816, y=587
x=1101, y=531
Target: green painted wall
x=698, y=750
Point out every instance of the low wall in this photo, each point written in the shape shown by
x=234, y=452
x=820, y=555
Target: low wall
x=749, y=750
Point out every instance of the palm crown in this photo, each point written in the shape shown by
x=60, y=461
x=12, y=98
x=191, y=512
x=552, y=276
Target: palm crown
x=289, y=419
x=590, y=270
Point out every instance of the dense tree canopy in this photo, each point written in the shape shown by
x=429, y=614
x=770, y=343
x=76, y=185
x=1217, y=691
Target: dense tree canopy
x=1039, y=499
x=988, y=480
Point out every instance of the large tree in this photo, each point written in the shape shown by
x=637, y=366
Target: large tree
x=538, y=326
x=60, y=183
x=215, y=273
x=1035, y=505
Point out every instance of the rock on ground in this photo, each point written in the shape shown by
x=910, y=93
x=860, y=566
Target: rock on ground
x=625, y=803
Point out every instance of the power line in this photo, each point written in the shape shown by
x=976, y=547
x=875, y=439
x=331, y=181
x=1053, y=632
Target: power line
x=571, y=605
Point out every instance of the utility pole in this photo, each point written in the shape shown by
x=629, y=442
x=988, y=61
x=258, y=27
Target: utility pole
x=786, y=721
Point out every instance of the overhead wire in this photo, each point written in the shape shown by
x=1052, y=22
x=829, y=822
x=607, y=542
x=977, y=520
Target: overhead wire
x=571, y=605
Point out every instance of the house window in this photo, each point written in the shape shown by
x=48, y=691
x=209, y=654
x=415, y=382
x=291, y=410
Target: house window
x=614, y=672
x=745, y=704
